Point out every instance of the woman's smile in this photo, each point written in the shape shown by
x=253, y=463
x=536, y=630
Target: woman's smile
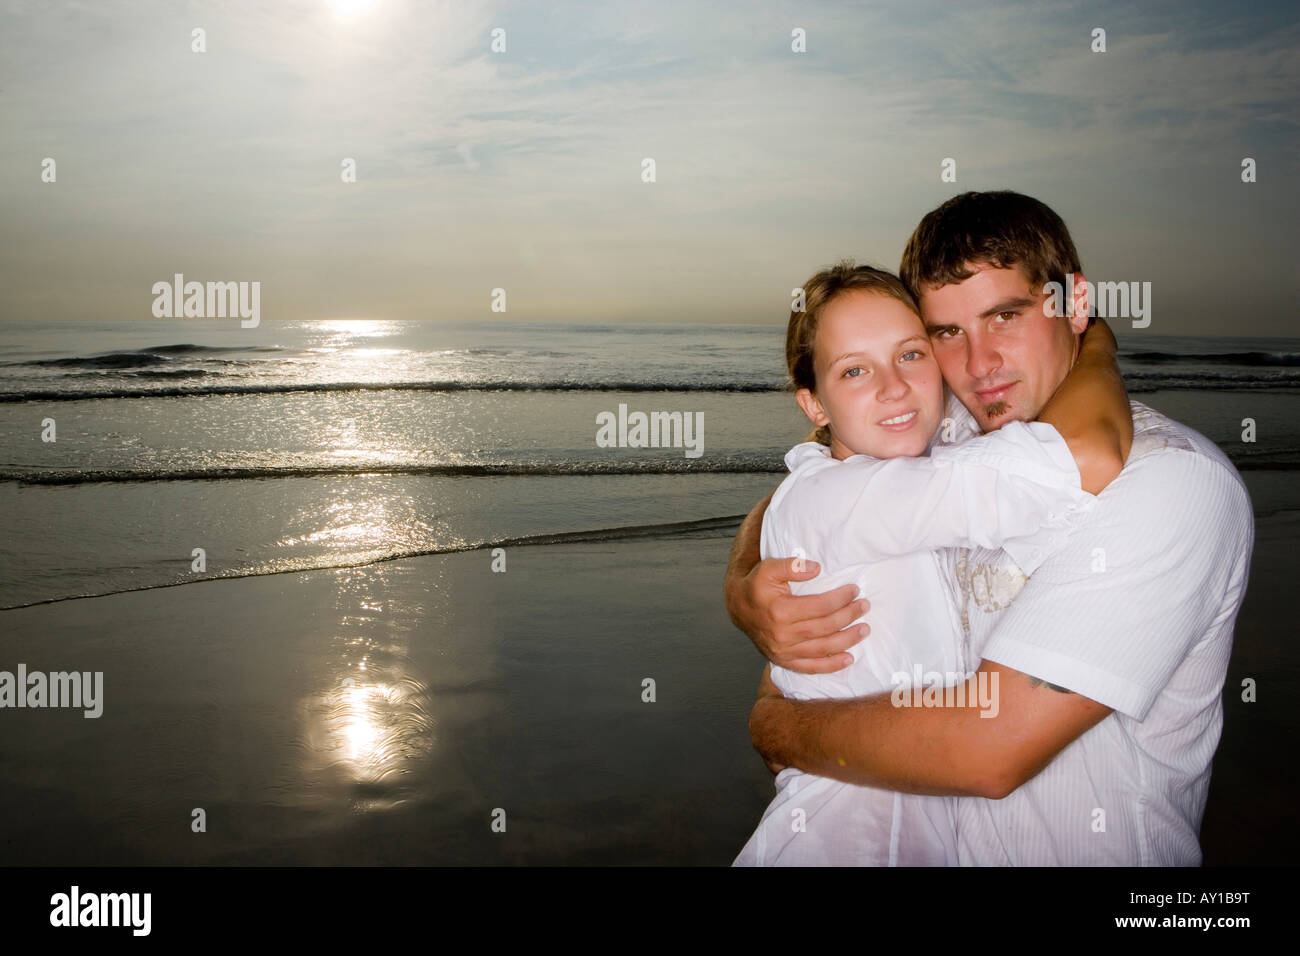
x=899, y=423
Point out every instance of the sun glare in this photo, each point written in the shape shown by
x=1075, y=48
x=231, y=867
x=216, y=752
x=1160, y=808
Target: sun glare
x=349, y=8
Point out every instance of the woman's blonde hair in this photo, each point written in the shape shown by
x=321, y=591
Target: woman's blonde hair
x=819, y=292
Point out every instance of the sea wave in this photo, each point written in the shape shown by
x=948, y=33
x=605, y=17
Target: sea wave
x=757, y=463
x=139, y=358
x=1211, y=380
x=734, y=463
x=724, y=523
x=1249, y=358
x=52, y=395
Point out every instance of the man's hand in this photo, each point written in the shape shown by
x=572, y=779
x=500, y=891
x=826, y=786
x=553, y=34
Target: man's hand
x=807, y=633
x=767, y=691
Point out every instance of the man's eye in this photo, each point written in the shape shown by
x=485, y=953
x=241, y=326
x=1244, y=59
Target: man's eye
x=1006, y=316
x=944, y=333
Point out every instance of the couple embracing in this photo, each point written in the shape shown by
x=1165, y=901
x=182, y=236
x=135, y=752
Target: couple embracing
x=983, y=511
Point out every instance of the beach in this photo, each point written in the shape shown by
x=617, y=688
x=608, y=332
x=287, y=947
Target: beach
x=374, y=593
x=382, y=714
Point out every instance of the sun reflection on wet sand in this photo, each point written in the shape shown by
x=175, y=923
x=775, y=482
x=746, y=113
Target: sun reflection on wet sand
x=370, y=724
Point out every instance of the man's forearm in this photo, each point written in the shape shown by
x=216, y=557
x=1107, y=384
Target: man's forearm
x=872, y=743
x=1010, y=727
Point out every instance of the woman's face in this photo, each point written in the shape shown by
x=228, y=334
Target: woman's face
x=878, y=384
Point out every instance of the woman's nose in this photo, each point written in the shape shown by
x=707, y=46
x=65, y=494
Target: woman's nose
x=892, y=385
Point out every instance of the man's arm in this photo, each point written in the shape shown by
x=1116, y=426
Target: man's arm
x=805, y=633
x=1091, y=411
x=942, y=751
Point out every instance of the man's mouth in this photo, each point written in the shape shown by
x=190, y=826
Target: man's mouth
x=899, y=423
x=989, y=396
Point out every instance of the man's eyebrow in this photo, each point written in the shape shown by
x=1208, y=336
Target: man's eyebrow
x=1007, y=305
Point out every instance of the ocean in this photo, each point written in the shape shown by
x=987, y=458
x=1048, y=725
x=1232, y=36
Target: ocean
x=316, y=444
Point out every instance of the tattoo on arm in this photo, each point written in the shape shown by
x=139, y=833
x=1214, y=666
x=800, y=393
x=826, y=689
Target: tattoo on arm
x=1035, y=682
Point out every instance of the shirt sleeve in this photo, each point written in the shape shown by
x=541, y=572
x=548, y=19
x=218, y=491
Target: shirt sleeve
x=992, y=491
x=1114, y=612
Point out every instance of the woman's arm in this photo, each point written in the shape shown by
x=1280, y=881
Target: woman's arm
x=1091, y=411
x=985, y=492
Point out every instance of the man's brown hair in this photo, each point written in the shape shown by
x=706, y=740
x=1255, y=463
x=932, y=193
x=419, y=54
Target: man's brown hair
x=1002, y=229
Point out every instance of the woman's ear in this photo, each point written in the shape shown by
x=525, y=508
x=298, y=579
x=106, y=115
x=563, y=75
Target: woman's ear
x=811, y=407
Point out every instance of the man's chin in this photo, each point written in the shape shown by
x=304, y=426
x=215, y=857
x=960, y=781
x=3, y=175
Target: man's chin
x=996, y=411
x=996, y=414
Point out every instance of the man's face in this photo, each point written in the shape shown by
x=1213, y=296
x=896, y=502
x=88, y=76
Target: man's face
x=1000, y=352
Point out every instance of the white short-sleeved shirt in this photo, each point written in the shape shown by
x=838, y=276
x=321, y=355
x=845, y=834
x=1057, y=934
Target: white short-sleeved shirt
x=876, y=523
x=1135, y=611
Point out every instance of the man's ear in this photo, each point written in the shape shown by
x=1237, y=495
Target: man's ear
x=811, y=407
x=1080, y=304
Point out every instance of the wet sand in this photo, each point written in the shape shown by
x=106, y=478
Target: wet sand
x=382, y=715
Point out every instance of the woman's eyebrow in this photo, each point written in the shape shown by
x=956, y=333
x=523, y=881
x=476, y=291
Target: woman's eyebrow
x=899, y=344
x=841, y=358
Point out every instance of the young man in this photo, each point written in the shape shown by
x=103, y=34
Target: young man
x=1108, y=664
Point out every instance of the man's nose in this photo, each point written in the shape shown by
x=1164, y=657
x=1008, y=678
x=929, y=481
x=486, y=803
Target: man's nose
x=983, y=359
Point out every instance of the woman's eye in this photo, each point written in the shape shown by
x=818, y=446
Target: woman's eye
x=913, y=352
x=852, y=372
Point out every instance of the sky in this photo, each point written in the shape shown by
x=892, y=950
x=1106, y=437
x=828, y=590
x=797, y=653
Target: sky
x=522, y=169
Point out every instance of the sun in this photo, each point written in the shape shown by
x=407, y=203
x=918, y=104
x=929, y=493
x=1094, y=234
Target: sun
x=348, y=8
